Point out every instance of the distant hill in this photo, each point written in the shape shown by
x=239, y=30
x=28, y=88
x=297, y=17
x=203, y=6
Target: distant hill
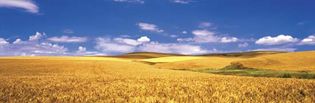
x=249, y=54
x=148, y=55
x=145, y=55
x=293, y=61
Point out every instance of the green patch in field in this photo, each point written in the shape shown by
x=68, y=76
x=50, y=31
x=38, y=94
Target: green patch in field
x=239, y=70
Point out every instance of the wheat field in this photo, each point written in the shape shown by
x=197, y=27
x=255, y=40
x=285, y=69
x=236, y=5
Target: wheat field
x=196, y=63
x=93, y=79
x=296, y=61
x=292, y=61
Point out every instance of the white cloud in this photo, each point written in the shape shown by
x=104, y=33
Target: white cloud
x=276, y=49
x=280, y=39
x=28, y=5
x=38, y=46
x=89, y=53
x=130, y=1
x=108, y=45
x=81, y=49
x=36, y=36
x=127, y=41
x=202, y=32
x=144, y=39
x=149, y=27
x=206, y=36
x=3, y=42
x=67, y=39
x=184, y=32
x=182, y=1
x=201, y=36
x=120, y=45
x=144, y=44
x=310, y=40
x=243, y=45
x=17, y=41
x=47, y=48
x=229, y=39
x=32, y=47
x=28, y=48
x=185, y=39
x=172, y=48
x=132, y=42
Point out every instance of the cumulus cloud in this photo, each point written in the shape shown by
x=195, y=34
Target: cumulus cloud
x=33, y=38
x=81, y=49
x=276, y=49
x=278, y=40
x=130, y=1
x=127, y=41
x=34, y=46
x=310, y=40
x=149, y=27
x=28, y=5
x=17, y=41
x=144, y=39
x=120, y=45
x=229, y=39
x=28, y=48
x=206, y=36
x=202, y=32
x=181, y=1
x=110, y=46
x=67, y=39
x=3, y=42
x=36, y=36
x=144, y=44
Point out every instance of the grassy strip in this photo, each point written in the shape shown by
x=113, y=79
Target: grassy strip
x=239, y=70
x=262, y=73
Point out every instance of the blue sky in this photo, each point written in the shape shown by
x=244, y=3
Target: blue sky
x=109, y=27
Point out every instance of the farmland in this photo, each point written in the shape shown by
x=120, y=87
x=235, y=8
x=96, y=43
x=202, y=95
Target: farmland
x=148, y=79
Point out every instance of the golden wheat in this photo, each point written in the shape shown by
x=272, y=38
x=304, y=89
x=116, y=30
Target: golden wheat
x=196, y=63
x=297, y=61
x=51, y=79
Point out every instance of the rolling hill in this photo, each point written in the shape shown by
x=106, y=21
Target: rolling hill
x=296, y=61
x=192, y=63
x=104, y=79
x=145, y=55
x=249, y=54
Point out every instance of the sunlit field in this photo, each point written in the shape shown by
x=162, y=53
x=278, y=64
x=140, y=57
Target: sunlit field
x=108, y=79
x=299, y=61
x=157, y=51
